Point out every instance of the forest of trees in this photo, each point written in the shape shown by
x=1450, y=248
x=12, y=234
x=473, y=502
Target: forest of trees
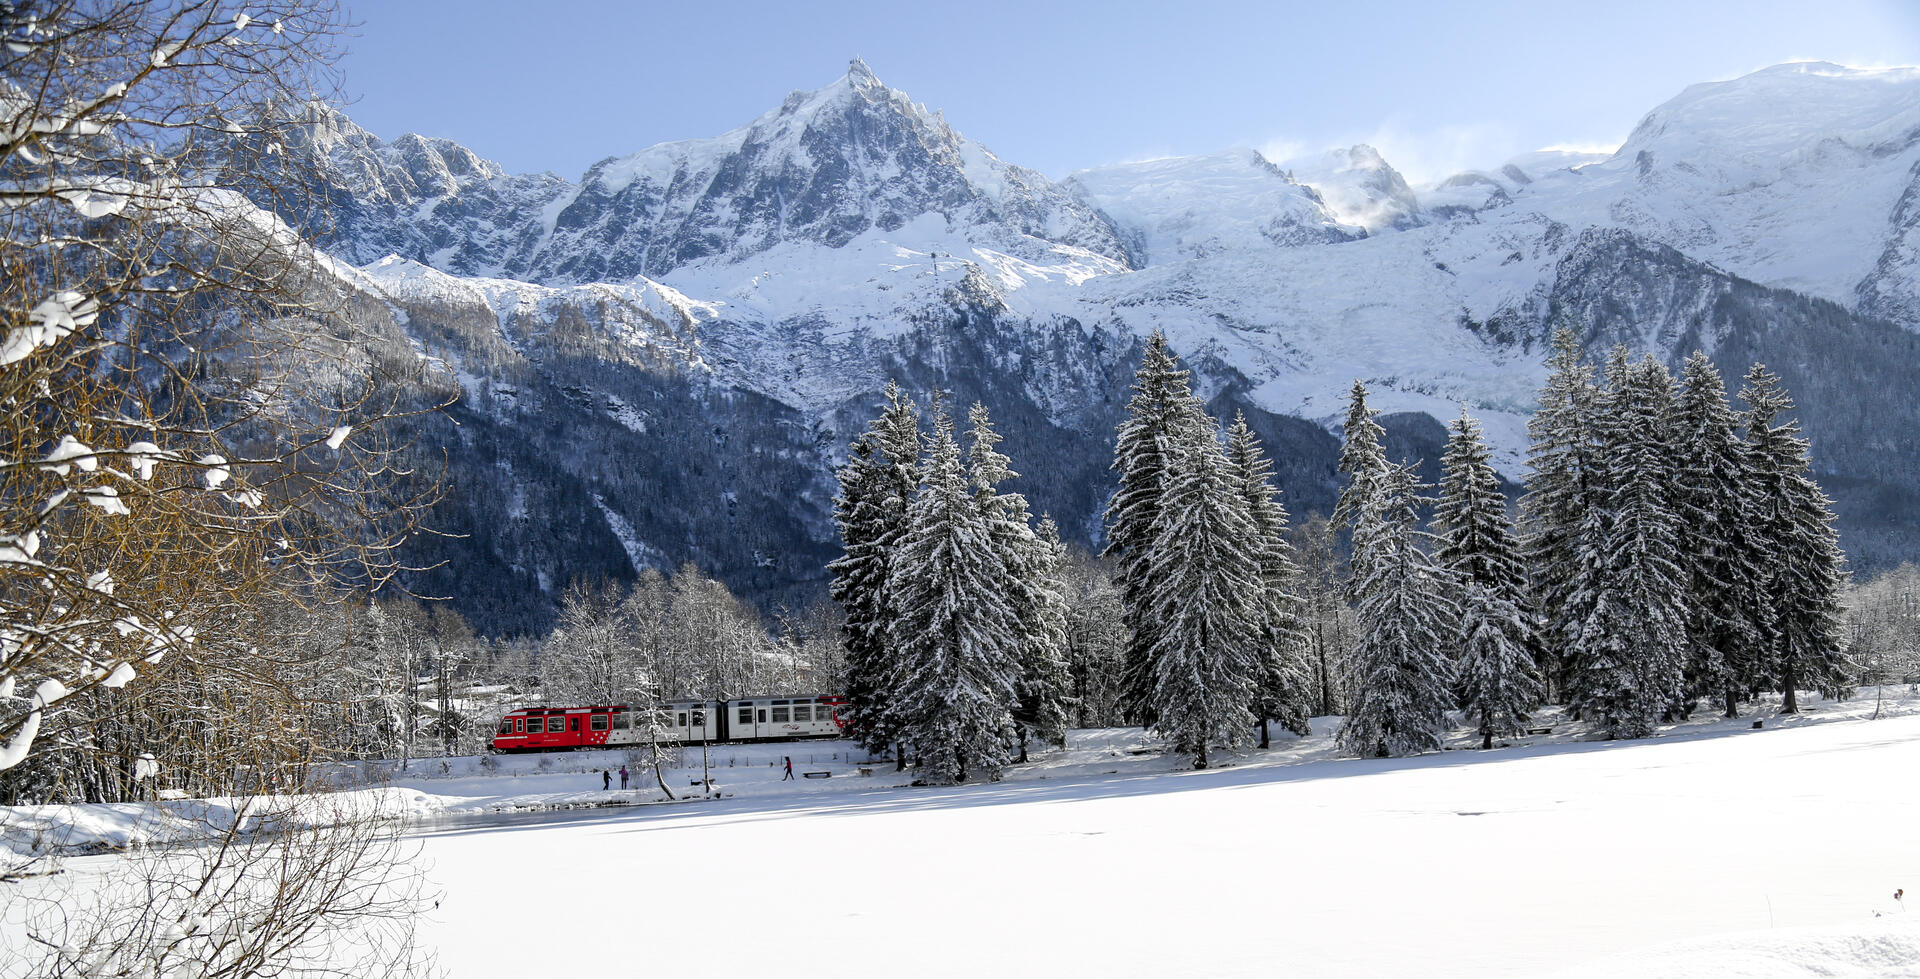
x=1670, y=550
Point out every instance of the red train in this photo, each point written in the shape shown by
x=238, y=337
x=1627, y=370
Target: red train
x=783, y=718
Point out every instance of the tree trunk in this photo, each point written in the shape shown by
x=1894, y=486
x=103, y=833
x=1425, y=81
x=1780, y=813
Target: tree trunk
x=1788, y=682
x=1733, y=703
x=1264, y=741
x=1200, y=756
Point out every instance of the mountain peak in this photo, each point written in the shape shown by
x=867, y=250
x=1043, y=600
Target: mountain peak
x=861, y=76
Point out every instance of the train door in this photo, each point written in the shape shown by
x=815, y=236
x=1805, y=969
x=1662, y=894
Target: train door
x=740, y=725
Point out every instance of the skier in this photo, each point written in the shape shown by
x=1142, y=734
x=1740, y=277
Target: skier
x=606, y=780
x=789, y=774
x=623, y=778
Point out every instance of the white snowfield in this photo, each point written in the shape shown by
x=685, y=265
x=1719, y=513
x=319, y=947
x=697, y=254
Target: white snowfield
x=1712, y=850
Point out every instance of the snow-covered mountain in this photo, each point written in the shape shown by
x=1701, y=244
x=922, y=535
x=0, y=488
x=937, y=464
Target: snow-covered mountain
x=774, y=277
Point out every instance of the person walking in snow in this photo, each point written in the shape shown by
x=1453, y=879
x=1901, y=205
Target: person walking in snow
x=789, y=774
x=623, y=778
x=606, y=780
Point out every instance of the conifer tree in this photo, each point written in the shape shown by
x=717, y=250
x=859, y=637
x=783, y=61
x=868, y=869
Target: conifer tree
x=1283, y=688
x=1497, y=638
x=1030, y=588
x=1045, y=692
x=1362, y=458
x=1203, y=583
x=1160, y=406
x=1629, y=654
x=953, y=632
x=1400, y=679
x=1807, y=568
x=1719, y=543
x=1559, y=499
x=876, y=485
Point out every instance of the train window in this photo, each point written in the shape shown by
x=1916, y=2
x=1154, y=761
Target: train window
x=600, y=722
x=534, y=725
x=802, y=714
x=699, y=718
x=506, y=726
x=746, y=715
x=683, y=719
x=779, y=715
x=622, y=722
x=573, y=724
x=763, y=716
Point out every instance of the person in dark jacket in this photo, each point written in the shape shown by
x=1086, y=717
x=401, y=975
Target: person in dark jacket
x=606, y=780
x=623, y=777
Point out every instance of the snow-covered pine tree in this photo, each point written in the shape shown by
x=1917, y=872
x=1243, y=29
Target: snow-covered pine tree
x=1046, y=703
x=1283, y=689
x=1362, y=458
x=1030, y=588
x=876, y=485
x=1807, y=566
x=1497, y=638
x=1400, y=679
x=1629, y=654
x=1557, y=500
x=1203, y=584
x=953, y=633
x=1719, y=544
x=1161, y=405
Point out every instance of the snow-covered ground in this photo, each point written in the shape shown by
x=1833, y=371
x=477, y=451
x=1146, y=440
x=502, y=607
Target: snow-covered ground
x=1714, y=849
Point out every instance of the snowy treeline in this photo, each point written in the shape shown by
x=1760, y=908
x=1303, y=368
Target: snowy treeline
x=955, y=618
x=1675, y=549
x=1883, y=626
x=1672, y=549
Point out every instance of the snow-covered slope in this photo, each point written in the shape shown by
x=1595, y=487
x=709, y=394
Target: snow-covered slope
x=1792, y=176
x=1194, y=207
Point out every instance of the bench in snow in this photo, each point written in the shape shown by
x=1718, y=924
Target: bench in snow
x=816, y=775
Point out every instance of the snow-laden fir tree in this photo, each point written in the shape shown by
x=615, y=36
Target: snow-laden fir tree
x=954, y=635
x=1558, y=499
x=1162, y=405
x=1400, y=679
x=1720, y=544
x=876, y=485
x=1362, y=458
x=1497, y=637
x=1807, y=568
x=1046, y=703
x=1031, y=587
x=1629, y=655
x=1283, y=689
x=1204, y=589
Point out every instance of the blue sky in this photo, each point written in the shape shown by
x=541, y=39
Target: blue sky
x=557, y=85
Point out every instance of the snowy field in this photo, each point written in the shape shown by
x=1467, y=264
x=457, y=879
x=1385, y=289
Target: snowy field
x=1714, y=850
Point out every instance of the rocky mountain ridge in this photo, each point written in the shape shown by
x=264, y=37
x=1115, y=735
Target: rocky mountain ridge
x=850, y=236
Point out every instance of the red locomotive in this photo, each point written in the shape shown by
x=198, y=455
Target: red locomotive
x=785, y=718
